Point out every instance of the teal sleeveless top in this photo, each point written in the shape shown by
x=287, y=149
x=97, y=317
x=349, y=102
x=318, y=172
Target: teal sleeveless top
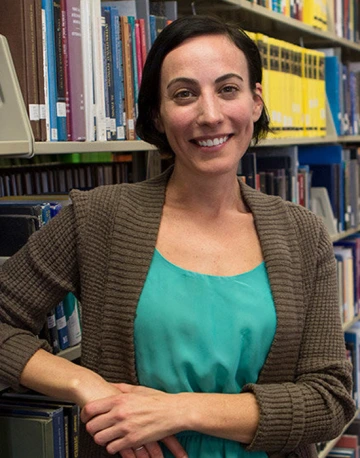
x=203, y=333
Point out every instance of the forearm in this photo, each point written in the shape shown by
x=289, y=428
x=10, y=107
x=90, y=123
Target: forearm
x=229, y=416
x=58, y=377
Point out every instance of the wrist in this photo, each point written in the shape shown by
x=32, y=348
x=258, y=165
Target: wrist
x=88, y=386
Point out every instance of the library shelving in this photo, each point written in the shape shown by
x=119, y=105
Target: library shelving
x=16, y=137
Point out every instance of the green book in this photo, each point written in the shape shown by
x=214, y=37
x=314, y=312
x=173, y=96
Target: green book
x=26, y=437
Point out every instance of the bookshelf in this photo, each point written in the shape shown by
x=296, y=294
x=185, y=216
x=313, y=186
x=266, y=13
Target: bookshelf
x=16, y=138
x=333, y=442
x=257, y=18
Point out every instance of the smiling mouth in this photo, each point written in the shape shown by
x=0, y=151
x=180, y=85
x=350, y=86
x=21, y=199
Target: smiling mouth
x=212, y=141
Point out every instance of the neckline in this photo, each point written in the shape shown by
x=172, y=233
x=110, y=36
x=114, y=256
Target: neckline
x=194, y=272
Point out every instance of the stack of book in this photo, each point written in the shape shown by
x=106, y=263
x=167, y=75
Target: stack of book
x=79, y=62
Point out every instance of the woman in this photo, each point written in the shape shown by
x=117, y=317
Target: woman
x=214, y=305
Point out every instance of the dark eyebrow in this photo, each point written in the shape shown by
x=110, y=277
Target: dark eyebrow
x=193, y=81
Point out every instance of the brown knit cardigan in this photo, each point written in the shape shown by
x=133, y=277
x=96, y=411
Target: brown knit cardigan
x=100, y=247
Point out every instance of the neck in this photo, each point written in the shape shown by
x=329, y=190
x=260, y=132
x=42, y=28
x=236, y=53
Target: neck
x=212, y=194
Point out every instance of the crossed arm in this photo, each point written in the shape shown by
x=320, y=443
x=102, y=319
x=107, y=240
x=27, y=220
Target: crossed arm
x=122, y=417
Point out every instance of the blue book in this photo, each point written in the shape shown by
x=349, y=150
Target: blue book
x=55, y=208
x=314, y=155
x=108, y=60
x=152, y=21
x=62, y=326
x=116, y=48
x=48, y=7
x=333, y=77
x=22, y=408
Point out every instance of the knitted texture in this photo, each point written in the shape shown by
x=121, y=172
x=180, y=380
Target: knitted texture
x=101, y=246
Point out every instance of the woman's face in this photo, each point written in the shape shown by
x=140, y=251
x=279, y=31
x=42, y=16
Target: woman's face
x=207, y=109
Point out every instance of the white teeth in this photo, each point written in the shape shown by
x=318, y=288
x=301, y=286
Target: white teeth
x=213, y=142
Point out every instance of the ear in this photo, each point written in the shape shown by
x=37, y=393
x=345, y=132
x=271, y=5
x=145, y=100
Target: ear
x=258, y=102
x=158, y=123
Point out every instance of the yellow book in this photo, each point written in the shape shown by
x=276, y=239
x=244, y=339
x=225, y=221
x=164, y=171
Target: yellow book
x=287, y=85
x=275, y=86
x=305, y=91
x=321, y=94
x=262, y=42
x=296, y=90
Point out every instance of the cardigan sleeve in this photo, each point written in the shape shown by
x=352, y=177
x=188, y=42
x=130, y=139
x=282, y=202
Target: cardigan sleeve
x=317, y=404
x=33, y=281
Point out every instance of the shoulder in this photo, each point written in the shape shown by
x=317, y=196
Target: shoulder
x=105, y=200
x=308, y=228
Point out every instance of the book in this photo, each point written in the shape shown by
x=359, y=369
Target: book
x=74, y=67
x=50, y=64
x=71, y=413
x=61, y=325
x=60, y=73
x=328, y=160
x=36, y=437
x=97, y=59
x=18, y=25
x=15, y=232
x=72, y=315
x=56, y=414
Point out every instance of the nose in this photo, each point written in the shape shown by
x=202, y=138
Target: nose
x=209, y=110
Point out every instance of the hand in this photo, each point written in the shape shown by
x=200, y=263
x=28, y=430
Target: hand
x=137, y=416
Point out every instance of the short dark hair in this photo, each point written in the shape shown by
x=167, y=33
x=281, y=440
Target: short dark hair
x=173, y=36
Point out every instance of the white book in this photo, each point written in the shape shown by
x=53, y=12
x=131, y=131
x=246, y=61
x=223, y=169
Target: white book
x=97, y=58
x=86, y=42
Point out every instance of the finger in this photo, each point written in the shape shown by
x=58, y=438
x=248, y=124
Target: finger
x=141, y=452
x=174, y=446
x=154, y=450
x=97, y=407
x=128, y=453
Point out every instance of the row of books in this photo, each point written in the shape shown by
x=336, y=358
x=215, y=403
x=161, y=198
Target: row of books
x=62, y=328
x=347, y=255
x=352, y=341
x=323, y=178
x=38, y=426
x=19, y=219
x=342, y=89
x=294, y=88
x=79, y=62
x=60, y=177
x=340, y=17
x=348, y=444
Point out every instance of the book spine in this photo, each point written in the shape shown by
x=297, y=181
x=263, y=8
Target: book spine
x=71, y=311
x=61, y=326
x=87, y=50
x=117, y=74
x=32, y=69
x=60, y=73
x=53, y=333
x=75, y=70
x=108, y=69
x=64, y=37
x=51, y=67
x=100, y=114
x=40, y=69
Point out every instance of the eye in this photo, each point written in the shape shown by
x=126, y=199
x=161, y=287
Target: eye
x=229, y=90
x=183, y=94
